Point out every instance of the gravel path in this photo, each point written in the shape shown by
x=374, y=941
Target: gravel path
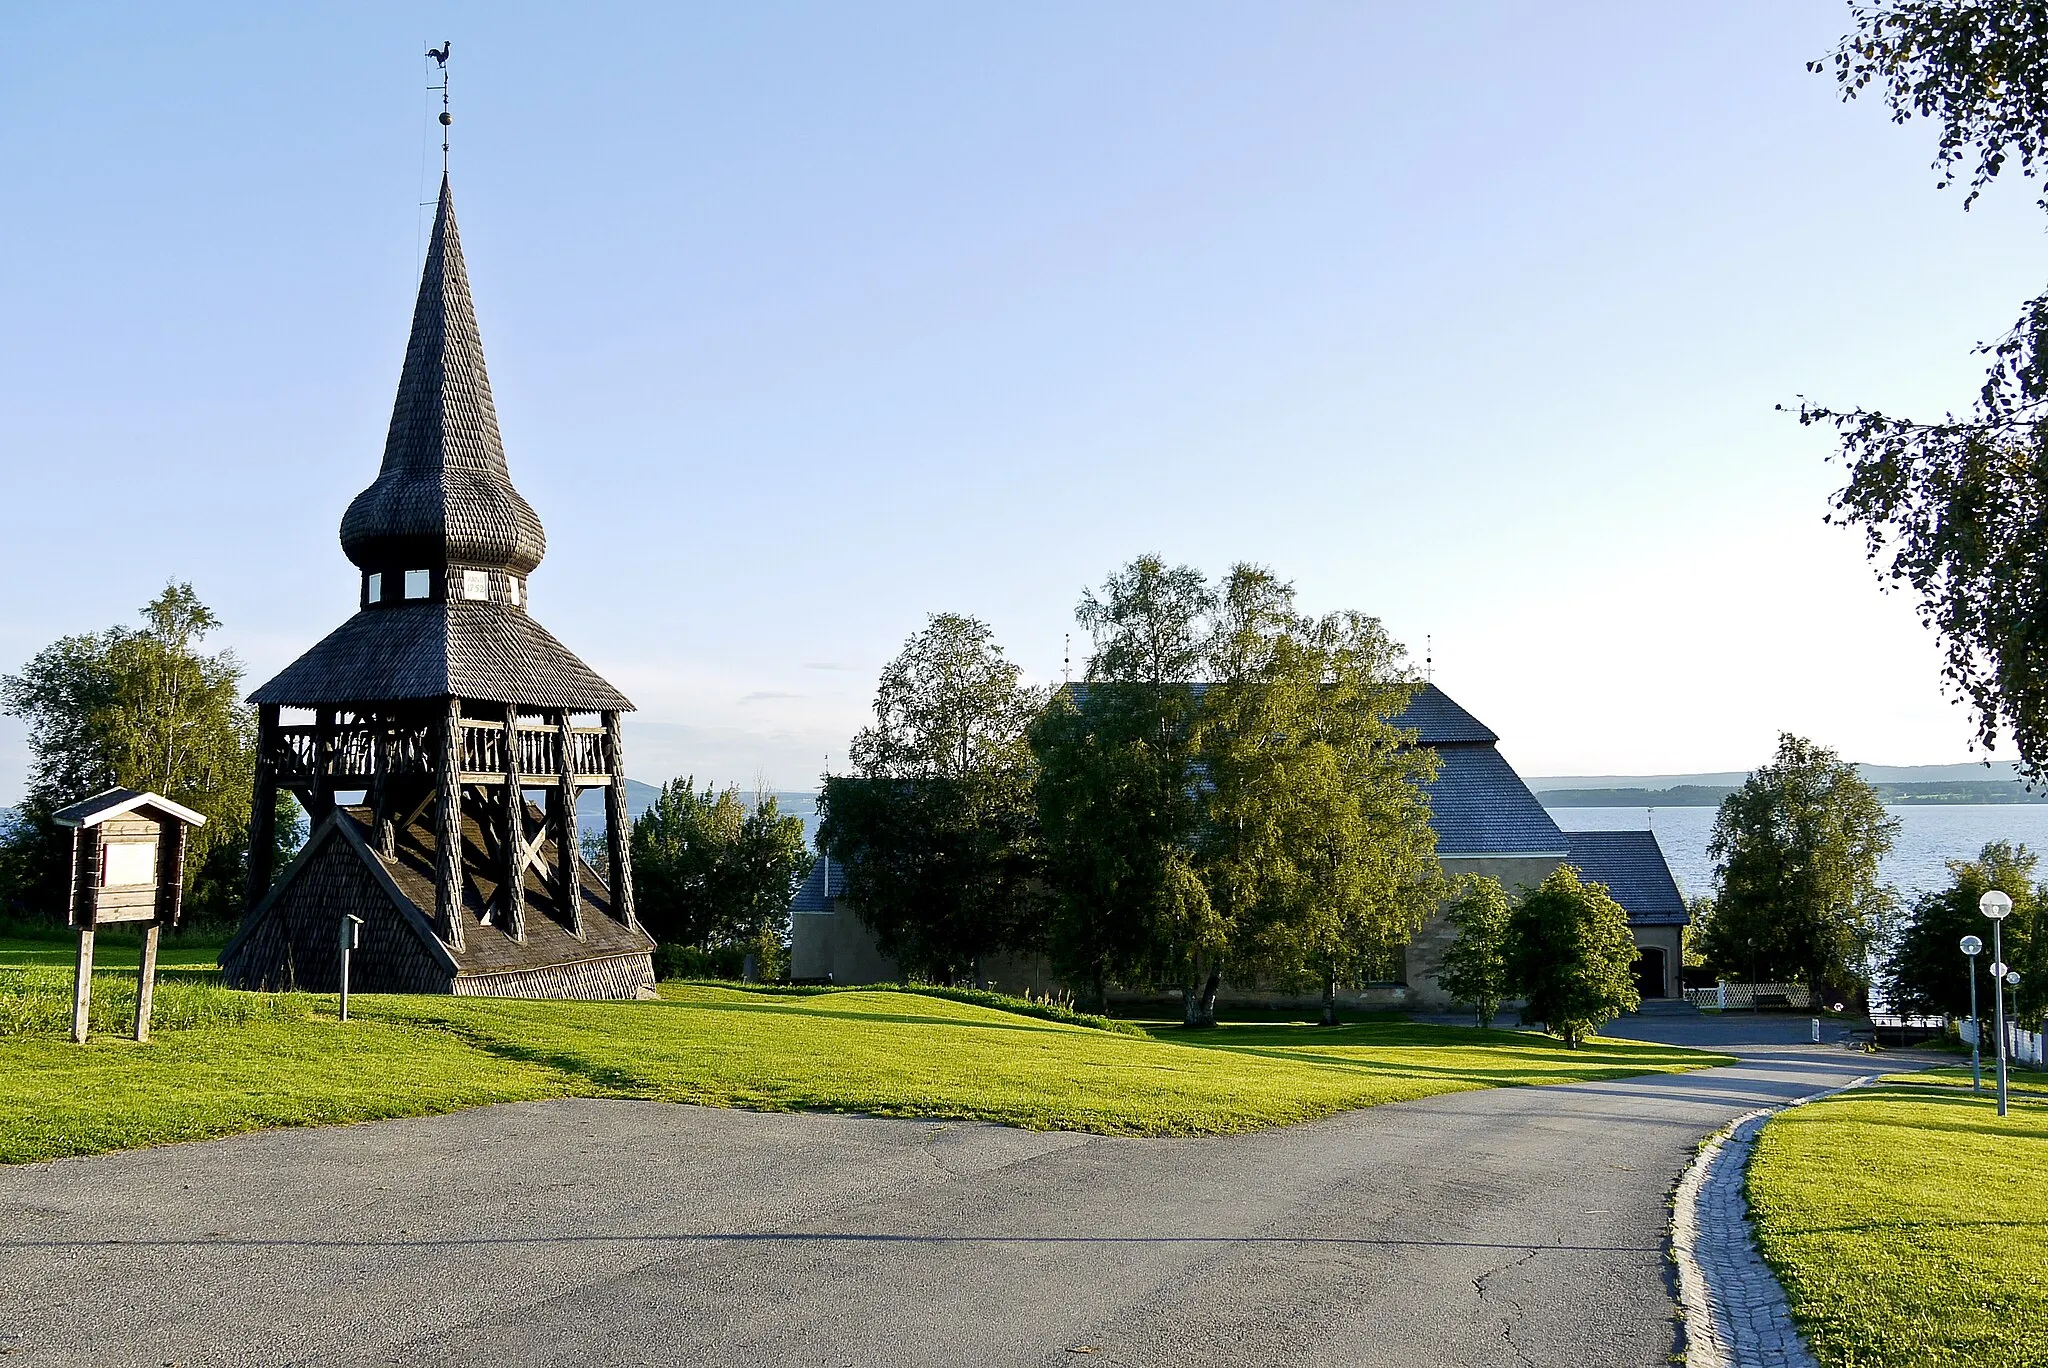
x=1511, y=1227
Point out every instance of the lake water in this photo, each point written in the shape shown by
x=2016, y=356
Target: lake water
x=1929, y=836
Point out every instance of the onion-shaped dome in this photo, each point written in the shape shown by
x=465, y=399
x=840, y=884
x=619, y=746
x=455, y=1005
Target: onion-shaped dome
x=444, y=495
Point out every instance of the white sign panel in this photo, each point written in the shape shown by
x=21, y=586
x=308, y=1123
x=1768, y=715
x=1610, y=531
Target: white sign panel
x=128, y=864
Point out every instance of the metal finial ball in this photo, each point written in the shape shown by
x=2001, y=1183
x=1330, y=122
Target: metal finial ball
x=446, y=118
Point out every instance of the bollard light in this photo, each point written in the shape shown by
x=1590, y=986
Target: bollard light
x=351, y=926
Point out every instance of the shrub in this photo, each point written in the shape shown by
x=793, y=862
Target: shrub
x=1570, y=953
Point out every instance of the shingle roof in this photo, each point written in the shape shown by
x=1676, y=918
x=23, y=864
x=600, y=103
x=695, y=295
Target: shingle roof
x=823, y=884
x=1480, y=806
x=486, y=949
x=114, y=802
x=443, y=497
x=463, y=649
x=444, y=492
x=1631, y=864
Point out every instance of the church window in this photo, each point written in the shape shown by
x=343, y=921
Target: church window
x=416, y=584
x=375, y=593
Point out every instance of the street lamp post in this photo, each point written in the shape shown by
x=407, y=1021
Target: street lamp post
x=1974, y=947
x=1998, y=907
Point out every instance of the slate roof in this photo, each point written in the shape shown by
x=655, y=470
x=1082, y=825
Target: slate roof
x=820, y=887
x=444, y=492
x=1480, y=806
x=1631, y=864
x=1439, y=721
x=486, y=651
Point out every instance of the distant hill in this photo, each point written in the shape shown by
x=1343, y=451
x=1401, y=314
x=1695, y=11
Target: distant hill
x=1728, y=779
x=640, y=797
x=1909, y=785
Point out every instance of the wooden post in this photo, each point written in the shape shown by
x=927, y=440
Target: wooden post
x=81, y=988
x=569, y=878
x=263, y=815
x=380, y=789
x=448, y=825
x=618, y=825
x=322, y=792
x=145, y=982
x=170, y=878
x=513, y=882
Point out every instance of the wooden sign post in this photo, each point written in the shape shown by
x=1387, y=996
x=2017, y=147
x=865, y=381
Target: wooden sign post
x=127, y=865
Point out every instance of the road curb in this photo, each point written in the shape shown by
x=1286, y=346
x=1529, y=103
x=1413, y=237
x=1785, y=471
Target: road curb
x=1735, y=1311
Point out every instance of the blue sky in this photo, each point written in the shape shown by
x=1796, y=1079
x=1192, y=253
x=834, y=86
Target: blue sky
x=807, y=321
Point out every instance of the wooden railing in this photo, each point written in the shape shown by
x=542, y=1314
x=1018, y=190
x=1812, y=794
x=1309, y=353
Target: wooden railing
x=352, y=752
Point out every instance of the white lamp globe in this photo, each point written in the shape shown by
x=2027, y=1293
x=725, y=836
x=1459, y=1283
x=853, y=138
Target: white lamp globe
x=1972, y=946
x=1995, y=905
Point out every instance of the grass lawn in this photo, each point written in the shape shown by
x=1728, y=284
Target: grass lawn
x=252, y=1061
x=116, y=947
x=1909, y=1223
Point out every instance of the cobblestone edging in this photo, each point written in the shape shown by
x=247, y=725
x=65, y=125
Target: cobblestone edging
x=1735, y=1312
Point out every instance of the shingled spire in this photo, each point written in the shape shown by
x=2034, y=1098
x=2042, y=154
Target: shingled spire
x=443, y=541
x=444, y=495
x=445, y=736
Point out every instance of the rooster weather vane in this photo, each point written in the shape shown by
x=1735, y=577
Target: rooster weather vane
x=440, y=56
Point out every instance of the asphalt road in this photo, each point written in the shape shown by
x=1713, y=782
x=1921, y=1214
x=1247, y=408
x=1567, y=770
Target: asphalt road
x=1513, y=1226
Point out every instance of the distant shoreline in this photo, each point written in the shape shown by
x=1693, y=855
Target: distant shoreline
x=1951, y=793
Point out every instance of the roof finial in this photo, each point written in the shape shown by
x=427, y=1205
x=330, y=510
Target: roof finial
x=440, y=56
x=1067, y=659
x=1428, y=659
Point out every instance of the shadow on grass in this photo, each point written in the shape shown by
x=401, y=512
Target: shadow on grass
x=1906, y=1226
x=1031, y=1025
x=1504, y=1073
x=1935, y=1108
x=891, y=1018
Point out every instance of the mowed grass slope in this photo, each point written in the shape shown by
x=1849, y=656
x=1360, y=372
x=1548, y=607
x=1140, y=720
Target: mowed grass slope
x=288, y=1062
x=904, y=1054
x=1909, y=1223
x=59, y=1099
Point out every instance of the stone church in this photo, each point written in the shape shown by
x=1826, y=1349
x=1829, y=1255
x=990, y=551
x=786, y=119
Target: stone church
x=1486, y=822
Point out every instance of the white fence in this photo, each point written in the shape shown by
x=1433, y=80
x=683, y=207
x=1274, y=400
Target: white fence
x=2026, y=1048
x=1748, y=996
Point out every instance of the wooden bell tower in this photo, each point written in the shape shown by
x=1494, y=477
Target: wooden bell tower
x=439, y=739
